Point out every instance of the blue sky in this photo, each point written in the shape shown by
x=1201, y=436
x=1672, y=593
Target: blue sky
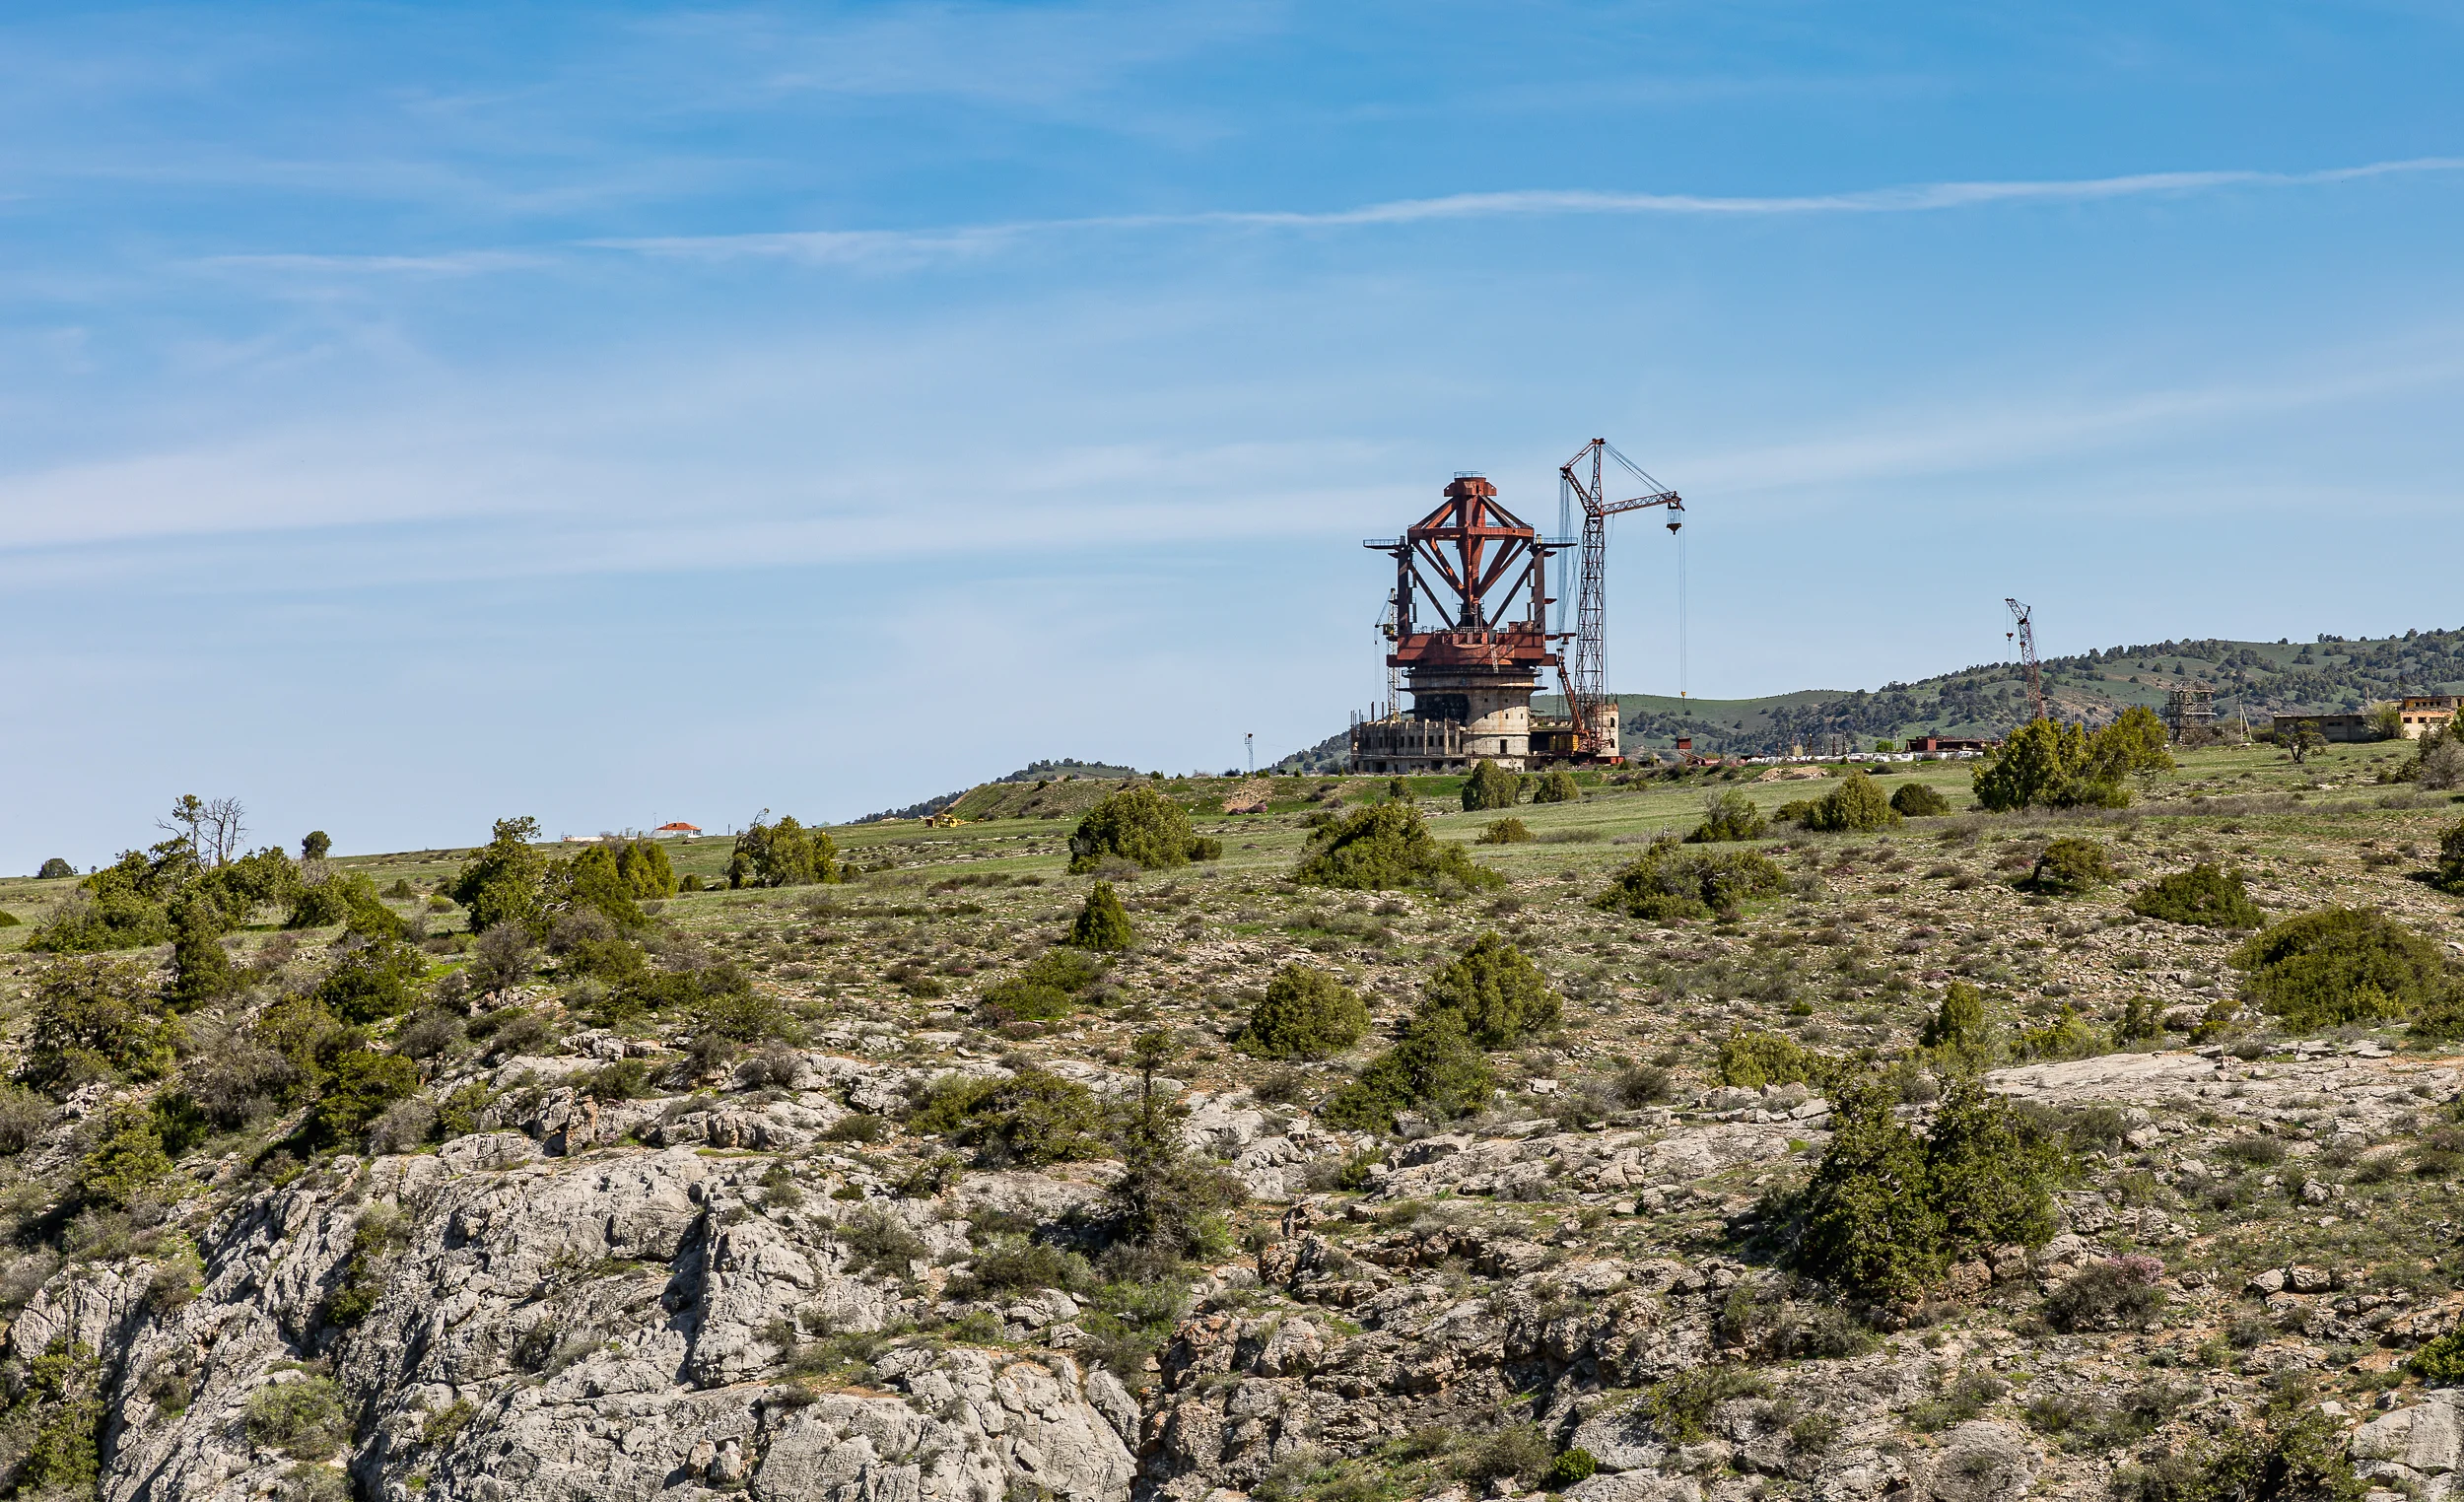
x=413, y=415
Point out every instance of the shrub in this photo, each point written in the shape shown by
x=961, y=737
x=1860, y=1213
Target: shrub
x=1499, y=996
x=127, y=1162
x=2450, y=874
x=782, y=854
x=1570, y=1466
x=1384, y=845
x=1047, y=989
x=2068, y=1036
x=1519, y=1450
x=63, y=1392
x=501, y=958
x=55, y=869
x=1306, y=1013
x=1669, y=881
x=1871, y=1223
x=1103, y=924
x=2117, y=1291
x=1957, y=1028
x=1681, y=1406
x=1990, y=1171
x=2069, y=867
x=1915, y=800
x=1023, y=1268
x=1857, y=803
x=2441, y=1363
x=1032, y=1118
x=365, y=1082
x=303, y=1419
x=9, y=919
x=2339, y=964
x=2205, y=895
x=95, y=1018
x=316, y=845
x=1750, y=1060
x=1433, y=1069
x=201, y=967
x=23, y=1114
x=1490, y=787
x=1139, y=824
x=1166, y=1204
x=1557, y=786
x=1730, y=815
x=502, y=881
x=1505, y=831
x=375, y=981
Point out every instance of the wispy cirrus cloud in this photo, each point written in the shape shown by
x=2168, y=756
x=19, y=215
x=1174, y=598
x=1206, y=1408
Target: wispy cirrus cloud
x=837, y=246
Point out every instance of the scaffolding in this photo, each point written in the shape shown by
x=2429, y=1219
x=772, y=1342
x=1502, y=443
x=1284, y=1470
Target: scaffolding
x=2189, y=708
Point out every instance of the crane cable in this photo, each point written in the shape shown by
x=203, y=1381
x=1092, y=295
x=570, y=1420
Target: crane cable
x=1680, y=614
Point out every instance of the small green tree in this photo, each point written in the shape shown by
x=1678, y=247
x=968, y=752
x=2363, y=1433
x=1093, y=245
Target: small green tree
x=2069, y=867
x=2303, y=741
x=364, y=1083
x=2028, y=769
x=646, y=872
x=1305, y=1013
x=201, y=968
x=1870, y=1219
x=1915, y=800
x=64, y=1393
x=1857, y=803
x=1490, y=787
x=316, y=845
x=2204, y=895
x=2450, y=877
x=55, y=869
x=1103, y=924
x=1137, y=824
x=1668, y=881
x=2339, y=965
x=95, y=1019
x=1383, y=846
x=1990, y=1173
x=1165, y=1201
x=781, y=854
x=1750, y=1060
x=501, y=882
x=1730, y=815
x=1500, y=997
x=2386, y=720
x=376, y=978
x=1507, y=831
x=1557, y=785
x=1957, y=1032
x=1433, y=1069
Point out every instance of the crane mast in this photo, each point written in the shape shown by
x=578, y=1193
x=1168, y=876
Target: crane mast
x=2025, y=631
x=1583, y=671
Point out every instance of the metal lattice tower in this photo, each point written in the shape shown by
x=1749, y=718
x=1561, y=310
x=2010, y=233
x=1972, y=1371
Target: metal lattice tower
x=1583, y=671
x=2026, y=635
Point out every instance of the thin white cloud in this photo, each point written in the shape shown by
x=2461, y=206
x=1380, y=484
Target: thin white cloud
x=841, y=247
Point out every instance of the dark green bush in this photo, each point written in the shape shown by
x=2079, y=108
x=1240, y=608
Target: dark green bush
x=1047, y=988
x=1557, y=786
x=2441, y=1363
x=9, y=919
x=1490, y=787
x=1519, y=1450
x=201, y=967
x=1671, y=881
x=1680, y=1406
x=1030, y=1120
x=782, y=854
x=1751, y=1061
x=1957, y=1028
x=501, y=883
x=1433, y=1069
x=374, y=980
x=127, y=1161
x=1728, y=816
x=2069, y=867
x=1915, y=800
x=2205, y=895
x=95, y=1019
x=1103, y=924
x=364, y=1083
x=1505, y=831
x=2069, y=1035
x=1384, y=845
x=2339, y=965
x=1857, y=803
x=1499, y=996
x=2451, y=873
x=1137, y=824
x=1570, y=1466
x=1305, y=1013
x=1023, y=1268
x=1990, y=1171
x=55, y=869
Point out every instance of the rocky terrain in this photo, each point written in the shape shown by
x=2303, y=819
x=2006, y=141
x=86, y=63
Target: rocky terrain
x=582, y=1250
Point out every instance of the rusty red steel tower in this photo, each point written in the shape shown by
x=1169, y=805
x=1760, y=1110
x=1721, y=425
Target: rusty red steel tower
x=1470, y=631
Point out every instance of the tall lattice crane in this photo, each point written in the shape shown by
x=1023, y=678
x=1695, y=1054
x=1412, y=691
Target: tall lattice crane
x=2026, y=632
x=1583, y=669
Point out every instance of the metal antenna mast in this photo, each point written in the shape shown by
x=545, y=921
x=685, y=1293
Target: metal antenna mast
x=2026, y=635
x=1583, y=670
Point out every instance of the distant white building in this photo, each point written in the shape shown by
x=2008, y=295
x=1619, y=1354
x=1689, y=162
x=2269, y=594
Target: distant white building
x=678, y=830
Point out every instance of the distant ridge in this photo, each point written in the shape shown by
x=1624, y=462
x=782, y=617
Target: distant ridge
x=1031, y=772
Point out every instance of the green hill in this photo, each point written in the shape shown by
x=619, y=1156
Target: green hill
x=2258, y=678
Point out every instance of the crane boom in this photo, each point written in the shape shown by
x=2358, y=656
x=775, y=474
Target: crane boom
x=1583, y=671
